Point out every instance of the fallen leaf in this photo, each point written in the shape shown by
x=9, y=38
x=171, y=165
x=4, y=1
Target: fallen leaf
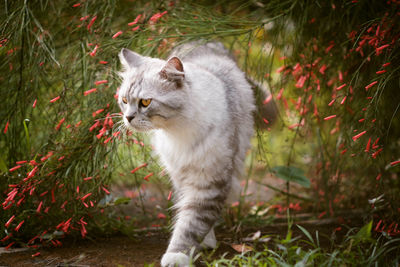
x=241, y=248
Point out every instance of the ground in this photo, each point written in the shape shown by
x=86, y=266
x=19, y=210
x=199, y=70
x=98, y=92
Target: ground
x=146, y=248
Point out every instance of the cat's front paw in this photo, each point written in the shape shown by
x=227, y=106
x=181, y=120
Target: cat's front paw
x=171, y=259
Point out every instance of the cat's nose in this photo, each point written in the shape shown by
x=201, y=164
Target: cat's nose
x=129, y=118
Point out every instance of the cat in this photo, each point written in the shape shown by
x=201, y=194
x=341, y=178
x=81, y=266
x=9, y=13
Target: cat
x=199, y=108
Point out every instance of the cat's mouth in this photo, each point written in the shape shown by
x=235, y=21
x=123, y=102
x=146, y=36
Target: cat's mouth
x=140, y=128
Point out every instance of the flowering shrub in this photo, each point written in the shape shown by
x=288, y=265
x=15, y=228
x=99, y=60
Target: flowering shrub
x=337, y=90
x=332, y=67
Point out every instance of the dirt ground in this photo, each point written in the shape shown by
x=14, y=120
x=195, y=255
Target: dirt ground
x=122, y=251
x=113, y=251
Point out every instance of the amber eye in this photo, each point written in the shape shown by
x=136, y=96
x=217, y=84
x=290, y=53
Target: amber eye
x=125, y=100
x=145, y=102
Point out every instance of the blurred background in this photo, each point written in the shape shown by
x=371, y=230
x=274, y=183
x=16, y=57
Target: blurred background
x=331, y=67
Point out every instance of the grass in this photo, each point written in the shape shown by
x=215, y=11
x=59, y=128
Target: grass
x=358, y=248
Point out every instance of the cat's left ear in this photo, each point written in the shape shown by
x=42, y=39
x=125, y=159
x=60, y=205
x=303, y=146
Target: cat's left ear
x=130, y=59
x=173, y=71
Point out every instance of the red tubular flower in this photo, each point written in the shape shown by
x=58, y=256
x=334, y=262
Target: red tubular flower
x=157, y=16
x=377, y=225
x=53, y=198
x=161, y=216
x=148, y=176
x=100, y=82
x=322, y=69
x=135, y=21
x=63, y=205
x=54, y=99
x=9, y=221
x=9, y=246
x=329, y=48
x=19, y=225
x=59, y=124
x=89, y=91
x=39, y=207
x=368, y=145
x=96, y=124
x=300, y=81
x=341, y=87
x=393, y=163
x=14, y=168
x=139, y=167
x=31, y=173
x=86, y=196
x=358, y=135
x=268, y=99
x=375, y=144
x=91, y=22
x=329, y=117
x=93, y=53
x=382, y=47
x=6, y=127
x=6, y=238
x=374, y=155
x=105, y=190
x=117, y=34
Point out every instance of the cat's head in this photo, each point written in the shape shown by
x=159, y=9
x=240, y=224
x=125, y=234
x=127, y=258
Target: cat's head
x=152, y=94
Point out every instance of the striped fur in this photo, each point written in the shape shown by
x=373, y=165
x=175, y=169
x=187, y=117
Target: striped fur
x=201, y=122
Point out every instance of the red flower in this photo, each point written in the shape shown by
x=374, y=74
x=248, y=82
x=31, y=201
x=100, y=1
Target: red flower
x=6, y=128
x=91, y=22
x=358, y=135
x=117, y=34
x=54, y=99
x=157, y=16
x=329, y=117
x=9, y=221
x=135, y=21
x=100, y=82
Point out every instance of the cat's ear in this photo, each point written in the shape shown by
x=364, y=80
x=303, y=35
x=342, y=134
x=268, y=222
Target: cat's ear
x=130, y=59
x=173, y=71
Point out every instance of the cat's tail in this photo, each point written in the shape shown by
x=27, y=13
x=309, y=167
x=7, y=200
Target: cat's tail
x=266, y=109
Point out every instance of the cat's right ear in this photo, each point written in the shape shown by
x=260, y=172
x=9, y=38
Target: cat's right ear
x=130, y=59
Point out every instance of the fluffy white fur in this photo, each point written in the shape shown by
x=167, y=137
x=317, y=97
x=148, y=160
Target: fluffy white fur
x=201, y=120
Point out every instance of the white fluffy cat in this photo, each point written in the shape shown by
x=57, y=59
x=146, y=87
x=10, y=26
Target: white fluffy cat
x=199, y=107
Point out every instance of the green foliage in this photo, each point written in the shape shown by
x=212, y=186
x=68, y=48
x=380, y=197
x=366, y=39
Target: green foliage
x=291, y=174
x=292, y=252
x=58, y=65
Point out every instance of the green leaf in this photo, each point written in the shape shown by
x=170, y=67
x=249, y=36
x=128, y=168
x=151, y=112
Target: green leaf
x=306, y=233
x=28, y=139
x=364, y=234
x=292, y=174
x=122, y=201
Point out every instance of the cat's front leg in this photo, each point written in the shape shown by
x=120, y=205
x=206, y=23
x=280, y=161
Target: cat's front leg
x=193, y=230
